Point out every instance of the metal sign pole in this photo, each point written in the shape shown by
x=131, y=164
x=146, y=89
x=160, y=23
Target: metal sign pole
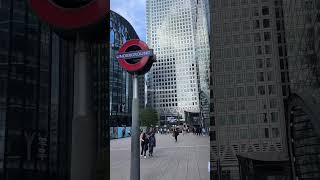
x=135, y=130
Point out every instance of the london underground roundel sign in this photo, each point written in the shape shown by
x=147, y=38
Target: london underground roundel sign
x=70, y=18
x=67, y=15
x=135, y=57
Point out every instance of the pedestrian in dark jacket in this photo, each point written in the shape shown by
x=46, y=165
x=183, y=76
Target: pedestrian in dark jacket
x=175, y=134
x=152, y=143
x=144, y=144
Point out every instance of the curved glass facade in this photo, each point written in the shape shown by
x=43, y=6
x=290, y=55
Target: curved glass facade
x=120, y=92
x=302, y=24
x=304, y=140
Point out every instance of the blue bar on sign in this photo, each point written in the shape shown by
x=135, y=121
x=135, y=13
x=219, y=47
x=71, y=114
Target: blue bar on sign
x=134, y=54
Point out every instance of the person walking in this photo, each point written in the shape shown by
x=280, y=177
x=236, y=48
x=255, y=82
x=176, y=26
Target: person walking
x=123, y=132
x=175, y=134
x=152, y=142
x=144, y=144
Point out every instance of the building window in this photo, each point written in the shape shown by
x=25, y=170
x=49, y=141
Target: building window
x=258, y=50
x=219, y=80
x=243, y=133
x=250, y=77
x=234, y=133
x=273, y=103
x=255, y=11
x=266, y=23
x=257, y=37
x=260, y=76
x=232, y=120
x=267, y=36
x=268, y=49
x=256, y=24
x=275, y=132
x=246, y=38
x=220, y=107
x=265, y=10
x=234, y=2
x=244, y=2
x=272, y=89
x=252, y=118
x=236, y=26
x=268, y=62
x=228, y=66
x=231, y=106
x=274, y=117
x=236, y=52
x=254, y=133
x=229, y=92
x=284, y=90
x=251, y=91
x=261, y=90
x=264, y=118
x=239, y=78
x=236, y=39
x=266, y=132
x=229, y=79
x=277, y=12
x=249, y=64
x=241, y=105
x=251, y=105
x=259, y=63
x=270, y=76
x=240, y=91
x=242, y=119
x=222, y=120
x=246, y=25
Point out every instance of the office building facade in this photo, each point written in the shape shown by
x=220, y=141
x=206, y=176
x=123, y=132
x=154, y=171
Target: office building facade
x=177, y=31
x=247, y=91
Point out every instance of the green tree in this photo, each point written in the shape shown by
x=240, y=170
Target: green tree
x=148, y=117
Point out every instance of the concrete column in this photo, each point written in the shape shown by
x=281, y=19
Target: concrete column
x=84, y=125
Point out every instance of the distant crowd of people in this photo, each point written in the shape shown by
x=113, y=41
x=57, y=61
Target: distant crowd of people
x=148, y=139
x=197, y=131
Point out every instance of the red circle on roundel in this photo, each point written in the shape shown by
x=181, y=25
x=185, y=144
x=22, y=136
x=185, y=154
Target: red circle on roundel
x=139, y=65
x=70, y=18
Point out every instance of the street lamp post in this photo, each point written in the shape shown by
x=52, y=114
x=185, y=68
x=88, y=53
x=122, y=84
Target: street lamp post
x=143, y=60
x=135, y=160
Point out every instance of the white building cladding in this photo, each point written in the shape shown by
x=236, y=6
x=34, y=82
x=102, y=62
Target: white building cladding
x=247, y=87
x=172, y=29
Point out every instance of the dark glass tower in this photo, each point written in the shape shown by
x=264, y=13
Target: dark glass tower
x=36, y=96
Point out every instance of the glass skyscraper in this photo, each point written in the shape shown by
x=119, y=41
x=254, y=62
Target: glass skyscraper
x=177, y=31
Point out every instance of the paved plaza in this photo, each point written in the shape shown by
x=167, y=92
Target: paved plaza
x=186, y=159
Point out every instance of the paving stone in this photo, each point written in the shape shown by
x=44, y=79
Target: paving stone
x=186, y=159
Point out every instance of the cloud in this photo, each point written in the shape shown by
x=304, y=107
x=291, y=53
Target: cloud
x=134, y=12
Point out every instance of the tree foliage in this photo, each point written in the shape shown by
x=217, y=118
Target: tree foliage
x=148, y=117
